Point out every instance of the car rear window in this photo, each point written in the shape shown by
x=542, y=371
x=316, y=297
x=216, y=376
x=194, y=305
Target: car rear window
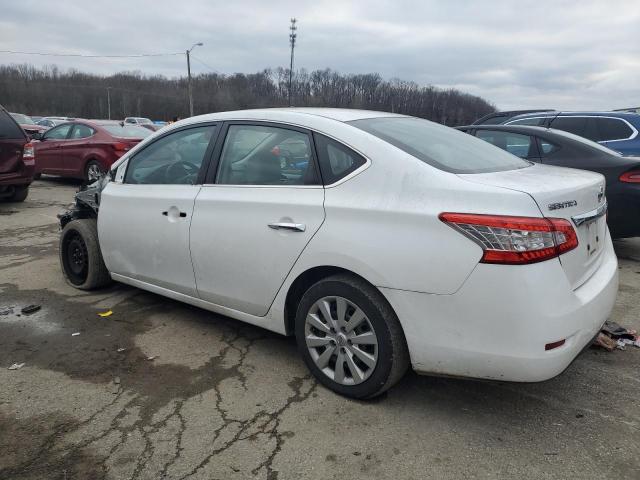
x=439, y=146
x=127, y=131
x=9, y=128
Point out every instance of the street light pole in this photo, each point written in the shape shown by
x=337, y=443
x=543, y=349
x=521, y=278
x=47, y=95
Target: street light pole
x=292, y=41
x=199, y=44
x=109, y=101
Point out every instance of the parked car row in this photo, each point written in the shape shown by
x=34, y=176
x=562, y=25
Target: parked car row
x=617, y=130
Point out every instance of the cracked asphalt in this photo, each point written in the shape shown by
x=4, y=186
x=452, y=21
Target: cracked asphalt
x=162, y=390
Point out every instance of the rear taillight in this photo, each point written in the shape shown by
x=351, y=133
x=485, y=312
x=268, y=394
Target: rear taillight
x=515, y=240
x=28, y=153
x=632, y=176
x=121, y=147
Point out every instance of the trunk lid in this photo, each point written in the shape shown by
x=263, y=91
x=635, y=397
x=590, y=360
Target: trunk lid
x=574, y=195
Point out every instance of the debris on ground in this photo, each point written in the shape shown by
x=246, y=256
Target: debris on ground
x=6, y=310
x=153, y=357
x=29, y=309
x=108, y=313
x=75, y=334
x=605, y=342
x=120, y=350
x=16, y=366
x=116, y=380
x=613, y=336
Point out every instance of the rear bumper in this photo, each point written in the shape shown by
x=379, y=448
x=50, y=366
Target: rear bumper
x=497, y=325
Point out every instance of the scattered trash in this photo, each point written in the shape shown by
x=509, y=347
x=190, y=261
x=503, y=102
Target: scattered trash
x=605, y=342
x=108, y=313
x=29, y=309
x=153, y=357
x=75, y=334
x=120, y=350
x=16, y=366
x=6, y=310
x=613, y=336
x=616, y=331
x=116, y=380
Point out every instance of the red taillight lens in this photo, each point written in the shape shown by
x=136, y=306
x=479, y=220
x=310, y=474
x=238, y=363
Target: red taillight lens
x=632, y=176
x=121, y=147
x=515, y=240
x=28, y=153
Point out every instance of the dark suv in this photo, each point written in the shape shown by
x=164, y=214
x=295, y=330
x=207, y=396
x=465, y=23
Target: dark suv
x=17, y=162
x=616, y=130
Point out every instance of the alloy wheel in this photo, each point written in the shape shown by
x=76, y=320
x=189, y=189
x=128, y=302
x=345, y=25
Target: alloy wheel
x=341, y=340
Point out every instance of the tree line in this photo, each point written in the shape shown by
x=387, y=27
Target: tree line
x=52, y=91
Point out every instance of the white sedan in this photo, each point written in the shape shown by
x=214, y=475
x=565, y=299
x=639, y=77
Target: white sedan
x=379, y=240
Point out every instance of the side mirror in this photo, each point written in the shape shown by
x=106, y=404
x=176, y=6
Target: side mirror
x=38, y=136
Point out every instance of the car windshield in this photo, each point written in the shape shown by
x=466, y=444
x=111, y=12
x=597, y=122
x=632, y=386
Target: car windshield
x=22, y=119
x=144, y=121
x=127, y=131
x=439, y=146
x=585, y=141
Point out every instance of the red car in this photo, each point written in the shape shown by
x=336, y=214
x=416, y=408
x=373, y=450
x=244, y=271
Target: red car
x=84, y=148
x=27, y=124
x=16, y=160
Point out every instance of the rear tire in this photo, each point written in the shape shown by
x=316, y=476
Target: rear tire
x=19, y=194
x=361, y=350
x=80, y=257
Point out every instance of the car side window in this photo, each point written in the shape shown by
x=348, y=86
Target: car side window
x=608, y=129
x=265, y=155
x=519, y=145
x=81, y=131
x=58, y=133
x=537, y=121
x=175, y=159
x=575, y=125
x=336, y=160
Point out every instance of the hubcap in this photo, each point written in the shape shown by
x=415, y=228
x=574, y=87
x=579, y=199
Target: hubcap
x=93, y=172
x=341, y=340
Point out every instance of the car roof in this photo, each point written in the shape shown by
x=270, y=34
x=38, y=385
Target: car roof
x=293, y=113
x=629, y=115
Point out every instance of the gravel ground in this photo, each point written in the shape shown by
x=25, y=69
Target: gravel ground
x=226, y=400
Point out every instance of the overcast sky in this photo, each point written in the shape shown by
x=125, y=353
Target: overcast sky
x=579, y=54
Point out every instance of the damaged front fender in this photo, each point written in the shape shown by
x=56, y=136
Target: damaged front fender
x=87, y=202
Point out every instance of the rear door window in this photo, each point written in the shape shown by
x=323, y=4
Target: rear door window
x=81, y=131
x=266, y=155
x=575, y=125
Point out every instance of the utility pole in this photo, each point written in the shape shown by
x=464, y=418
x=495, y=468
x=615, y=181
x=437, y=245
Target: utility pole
x=109, y=101
x=199, y=44
x=292, y=41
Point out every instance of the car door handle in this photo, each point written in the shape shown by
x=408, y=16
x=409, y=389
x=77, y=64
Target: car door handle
x=182, y=214
x=296, y=227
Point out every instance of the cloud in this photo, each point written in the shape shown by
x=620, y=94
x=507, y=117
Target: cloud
x=531, y=53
